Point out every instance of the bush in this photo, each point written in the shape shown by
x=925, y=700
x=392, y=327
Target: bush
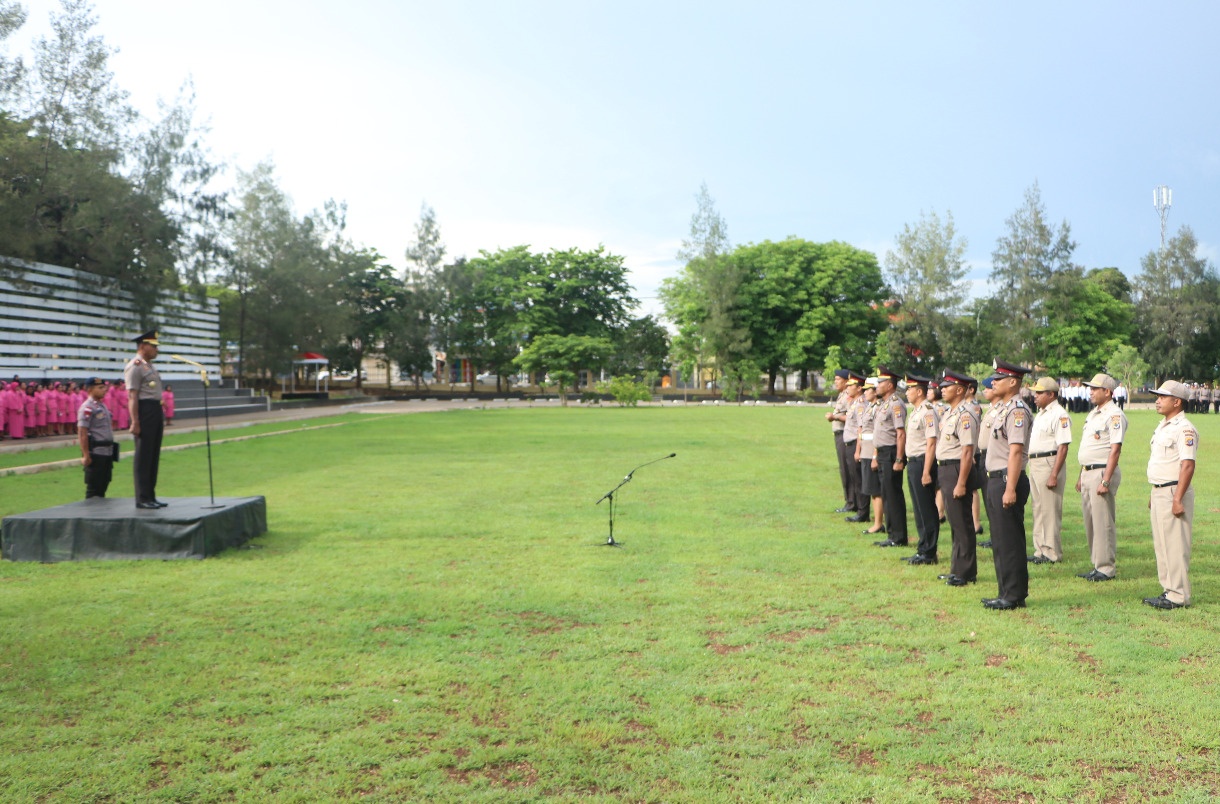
x=626, y=391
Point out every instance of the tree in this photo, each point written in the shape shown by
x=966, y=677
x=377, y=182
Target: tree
x=926, y=273
x=1085, y=323
x=1126, y=366
x=641, y=348
x=563, y=356
x=709, y=234
x=371, y=297
x=426, y=253
x=1023, y=266
x=1177, y=297
x=12, y=71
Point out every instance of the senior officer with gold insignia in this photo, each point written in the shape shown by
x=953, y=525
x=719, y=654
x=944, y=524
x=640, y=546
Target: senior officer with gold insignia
x=922, y=425
x=1101, y=445
x=889, y=430
x=1171, y=468
x=147, y=419
x=1008, y=487
x=1048, y=449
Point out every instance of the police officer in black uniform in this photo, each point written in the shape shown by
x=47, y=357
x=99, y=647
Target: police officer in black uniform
x=147, y=419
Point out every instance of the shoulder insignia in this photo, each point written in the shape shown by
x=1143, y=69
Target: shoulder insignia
x=1189, y=436
x=1018, y=417
x=965, y=423
x=1065, y=422
x=1116, y=422
x=929, y=420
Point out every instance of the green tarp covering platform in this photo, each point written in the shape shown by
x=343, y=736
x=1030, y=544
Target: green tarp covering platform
x=113, y=528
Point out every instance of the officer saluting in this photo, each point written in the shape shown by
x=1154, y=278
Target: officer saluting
x=147, y=420
x=1007, y=486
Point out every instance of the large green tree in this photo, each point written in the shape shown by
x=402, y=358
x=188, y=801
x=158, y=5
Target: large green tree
x=1178, y=296
x=926, y=272
x=1024, y=264
x=1086, y=324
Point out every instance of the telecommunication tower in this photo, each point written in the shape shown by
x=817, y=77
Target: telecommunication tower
x=1162, y=200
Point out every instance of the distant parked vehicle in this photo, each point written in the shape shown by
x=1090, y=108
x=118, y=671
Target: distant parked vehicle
x=491, y=379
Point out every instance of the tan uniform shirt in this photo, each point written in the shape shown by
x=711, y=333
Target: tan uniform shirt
x=851, y=427
x=1103, y=427
x=987, y=417
x=867, y=421
x=142, y=377
x=922, y=424
x=1010, y=424
x=1174, y=440
x=840, y=409
x=1052, y=428
x=891, y=417
x=958, y=432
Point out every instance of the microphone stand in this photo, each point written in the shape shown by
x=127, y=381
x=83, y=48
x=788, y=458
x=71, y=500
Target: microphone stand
x=207, y=425
x=609, y=495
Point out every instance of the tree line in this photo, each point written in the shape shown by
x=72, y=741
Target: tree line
x=761, y=309
x=86, y=182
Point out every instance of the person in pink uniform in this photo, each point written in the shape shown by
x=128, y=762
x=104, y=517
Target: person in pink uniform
x=3, y=411
x=16, y=411
x=167, y=403
x=123, y=420
x=31, y=409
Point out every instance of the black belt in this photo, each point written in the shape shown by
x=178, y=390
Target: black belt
x=1044, y=454
x=1093, y=466
x=1164, y=485
x=954, y=462
x=997, y=472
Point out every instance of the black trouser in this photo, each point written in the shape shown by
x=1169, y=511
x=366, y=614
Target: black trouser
x=97, y=475
x=846, y=464
x=893, y=498
x=1008, y=542
x=855, y=499
x=923, y=506
x=963, y=562
x=148, y=449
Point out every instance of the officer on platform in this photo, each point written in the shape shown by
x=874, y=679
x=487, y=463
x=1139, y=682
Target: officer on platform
x=147, y=419
x=1007, y=486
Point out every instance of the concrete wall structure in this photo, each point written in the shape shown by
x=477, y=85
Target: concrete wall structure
x=62, y=324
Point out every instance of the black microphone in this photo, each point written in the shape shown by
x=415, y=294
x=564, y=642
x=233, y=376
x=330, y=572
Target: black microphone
x=610, y=494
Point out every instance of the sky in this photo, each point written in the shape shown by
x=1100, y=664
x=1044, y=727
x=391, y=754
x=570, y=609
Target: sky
x=574, y=123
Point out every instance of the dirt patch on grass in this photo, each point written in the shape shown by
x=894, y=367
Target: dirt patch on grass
x=723, y=706
x=804, y=633
x=860, y=757
x=995, y=660
x=509, y=775
x=718, y=647
x=540, y=623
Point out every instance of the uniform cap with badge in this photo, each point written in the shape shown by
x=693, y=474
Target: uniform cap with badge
x=1102, y=381
x=1005, y=370
x=956, y=378
x=1173, y=388
x=1046, y=384
x=149, y=337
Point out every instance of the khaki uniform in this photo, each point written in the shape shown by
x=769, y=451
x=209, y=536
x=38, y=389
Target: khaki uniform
x=858, y=500
x=1011, y=423
x=958, y=433
x=1104, y=427
x=891, y=417
x=1052, y=429
x=922, y=424
x=846, y=461
x=1174, y=441
x=143, y=378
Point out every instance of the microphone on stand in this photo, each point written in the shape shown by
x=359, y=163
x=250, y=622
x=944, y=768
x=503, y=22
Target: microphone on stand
x=207, y=424
x=609, y=495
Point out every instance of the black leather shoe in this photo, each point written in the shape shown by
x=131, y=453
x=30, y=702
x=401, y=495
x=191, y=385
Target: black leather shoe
x=917, y=559
x=944, y=576
x=148, y=506
x=1096, y=576
x=160, y=504
x=954, y=580
x=1041, y=560
x=844, y=509
x=1163, y=602
x=856, y=518
x=986, y=544
x=1000, y=604
x=889, y=543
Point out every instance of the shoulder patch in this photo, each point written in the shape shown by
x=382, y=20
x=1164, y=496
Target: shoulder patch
x=929, y=420
x=1065, y=422
x=965, y=423
x=1189, y=436
x=1018, y=417
x=1116, y=422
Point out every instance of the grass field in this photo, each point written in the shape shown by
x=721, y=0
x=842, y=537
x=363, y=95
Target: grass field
x=430, y=618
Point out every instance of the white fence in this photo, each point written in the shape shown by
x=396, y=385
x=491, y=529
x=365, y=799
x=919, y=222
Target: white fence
x=62, y=324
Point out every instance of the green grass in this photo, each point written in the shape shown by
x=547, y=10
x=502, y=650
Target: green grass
x=430, y=618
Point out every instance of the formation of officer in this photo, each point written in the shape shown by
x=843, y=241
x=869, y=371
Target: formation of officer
x=1101, y=446
x=838, y=421
x=1016, y=454
x=1048, y=449
x=147, y=418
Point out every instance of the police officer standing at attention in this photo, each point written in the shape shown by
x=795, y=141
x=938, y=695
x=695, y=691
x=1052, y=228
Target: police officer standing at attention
x=1171, y=467
x=1007, y=486
x=922, y=426
x=147, y=420
x=837, y=416
x=1048, y=449
x=851, y=432
x=1101, y=444
x=955, y=467
x=889, y=432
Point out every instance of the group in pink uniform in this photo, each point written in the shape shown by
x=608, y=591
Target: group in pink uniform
x=34, y=409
